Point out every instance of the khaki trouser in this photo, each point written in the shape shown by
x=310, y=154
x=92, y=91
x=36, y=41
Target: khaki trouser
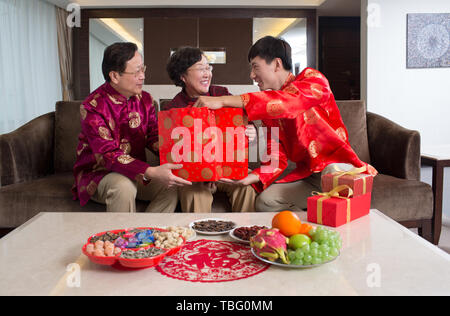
x=119, y=194
x=198, y=198
x=293, y=195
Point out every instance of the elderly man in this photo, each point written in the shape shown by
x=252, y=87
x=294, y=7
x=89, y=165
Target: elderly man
x=117, y=123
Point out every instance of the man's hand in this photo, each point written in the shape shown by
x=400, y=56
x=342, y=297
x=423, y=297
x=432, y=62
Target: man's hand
x=212, y=103
x=250, y=132
x=250, y=179
x=215, y=103
x=164, y=175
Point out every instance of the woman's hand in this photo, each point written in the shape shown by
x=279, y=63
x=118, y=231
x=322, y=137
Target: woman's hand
x=212, y=103
x=250, y=179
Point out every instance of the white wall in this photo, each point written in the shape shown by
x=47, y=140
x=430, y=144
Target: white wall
x=415, y=98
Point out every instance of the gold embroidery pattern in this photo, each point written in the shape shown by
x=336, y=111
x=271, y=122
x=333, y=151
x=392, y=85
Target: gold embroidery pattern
x=310, y=117
x=275, y=107
x=83, y=112
x=313, y=149
x=291, y=89
x=341, y=133
x=312, y=73
x=135, y=120
x=112, y=124
x=125, y=159
x=82, y=148
x=125, y=146
x=113, y=99
x=245, y=99
x=317, y=91
x=104, y=133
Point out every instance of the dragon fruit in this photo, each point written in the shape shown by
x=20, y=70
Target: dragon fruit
x=270, y=244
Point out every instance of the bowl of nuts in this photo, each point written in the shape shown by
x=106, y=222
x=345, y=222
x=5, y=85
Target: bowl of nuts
x=212, y=226
x=142, y=258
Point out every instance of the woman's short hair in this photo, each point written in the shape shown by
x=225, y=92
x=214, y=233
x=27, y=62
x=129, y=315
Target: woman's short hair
x=269, y=48
x=116, y=56
x=180, y=61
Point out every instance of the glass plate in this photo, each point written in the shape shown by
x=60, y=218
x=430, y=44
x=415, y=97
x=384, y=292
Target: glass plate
x=292, y=266
x=191, y=226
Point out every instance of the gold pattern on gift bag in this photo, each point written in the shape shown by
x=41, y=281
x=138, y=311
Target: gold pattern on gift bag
x=183, y=173
x=135, y=120
x=207, y=173
x=188, y=121
x=238, y=120
x=227, y=171
x=167, y=123
x=275, y=107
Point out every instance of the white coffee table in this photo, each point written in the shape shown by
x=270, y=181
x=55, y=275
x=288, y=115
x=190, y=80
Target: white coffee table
x=379, y=257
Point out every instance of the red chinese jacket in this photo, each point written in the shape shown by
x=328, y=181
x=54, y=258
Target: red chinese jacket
x=311, y=131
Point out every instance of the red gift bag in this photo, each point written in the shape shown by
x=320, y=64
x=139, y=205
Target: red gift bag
x=210, y=144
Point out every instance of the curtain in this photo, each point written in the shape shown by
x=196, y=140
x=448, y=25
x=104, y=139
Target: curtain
x=30, y=82
x=65, y=53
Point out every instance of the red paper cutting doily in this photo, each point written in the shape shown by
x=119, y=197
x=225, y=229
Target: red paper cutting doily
x=212, y=261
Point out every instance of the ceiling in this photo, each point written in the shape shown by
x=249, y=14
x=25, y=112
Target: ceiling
x=324, y=7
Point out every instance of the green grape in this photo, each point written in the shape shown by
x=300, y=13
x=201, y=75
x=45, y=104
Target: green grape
x=334, y=252
x=291, y=255
x=327, y=258
x=314, y=252
x=312, y=232
x=324, y=248
x=298, y=262
x=339, y=244
x=316, y=260
x=319, y=254
x=306, y=248
x=307, y=259
x=314, y=245
x=299, y=254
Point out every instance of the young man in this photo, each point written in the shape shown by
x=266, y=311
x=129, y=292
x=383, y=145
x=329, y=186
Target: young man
x=303, y=110
x=117, y=123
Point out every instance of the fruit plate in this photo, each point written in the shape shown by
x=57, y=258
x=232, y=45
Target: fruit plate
x=292, y=266
x=191, y=225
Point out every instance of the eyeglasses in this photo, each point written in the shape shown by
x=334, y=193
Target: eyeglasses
x=206, y=69
x=136, y=74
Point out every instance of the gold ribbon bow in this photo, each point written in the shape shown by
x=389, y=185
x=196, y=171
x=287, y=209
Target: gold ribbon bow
x=329, y=195
x=353, y=172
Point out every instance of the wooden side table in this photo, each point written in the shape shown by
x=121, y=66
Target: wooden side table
x=438, y=163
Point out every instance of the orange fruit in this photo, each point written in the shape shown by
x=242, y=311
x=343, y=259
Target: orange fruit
x=287, y=222
x=305, y=228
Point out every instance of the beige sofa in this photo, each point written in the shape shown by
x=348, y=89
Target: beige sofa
x=36, y=167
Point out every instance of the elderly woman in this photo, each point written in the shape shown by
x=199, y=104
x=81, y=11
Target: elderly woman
x=188, y=68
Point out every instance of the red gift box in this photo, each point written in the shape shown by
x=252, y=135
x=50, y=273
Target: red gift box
x=329, y=210
x=358, y=182
x=210, y=144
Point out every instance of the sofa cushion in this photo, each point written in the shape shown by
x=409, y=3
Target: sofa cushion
x=402, y=200
x=67, y=129
x=20, y=202
x=353, y=114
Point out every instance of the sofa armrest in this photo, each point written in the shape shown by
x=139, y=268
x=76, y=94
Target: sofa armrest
x=394, y=150
x=27, y=152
